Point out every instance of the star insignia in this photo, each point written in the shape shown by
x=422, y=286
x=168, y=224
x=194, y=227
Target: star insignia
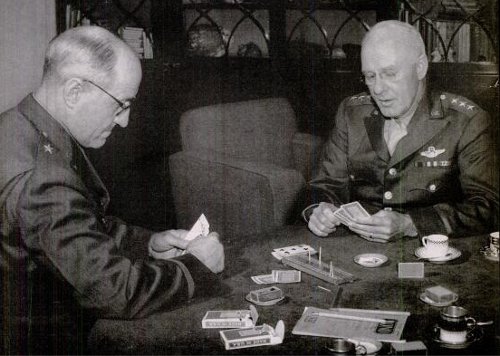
x=470, y=107
x=454, y=101
x=48, y=148
x=462, y=103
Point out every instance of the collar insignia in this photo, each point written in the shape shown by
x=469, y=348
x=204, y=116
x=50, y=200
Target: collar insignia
x=48, y=148
x=432, y=152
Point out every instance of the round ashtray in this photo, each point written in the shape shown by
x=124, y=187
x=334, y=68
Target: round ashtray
x=370, y=259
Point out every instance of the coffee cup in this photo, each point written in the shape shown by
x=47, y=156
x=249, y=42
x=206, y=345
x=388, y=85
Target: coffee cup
x=337, y=346
x=454, y=325
x=494, y=243
x=435, y=245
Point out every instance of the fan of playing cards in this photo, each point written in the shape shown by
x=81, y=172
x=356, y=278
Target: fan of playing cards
x=352, y=210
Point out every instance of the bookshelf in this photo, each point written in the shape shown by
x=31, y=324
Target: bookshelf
x=455, y=31
x=128, y=19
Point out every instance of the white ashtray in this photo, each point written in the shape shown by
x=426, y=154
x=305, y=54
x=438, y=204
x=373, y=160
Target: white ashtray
x=370, y=259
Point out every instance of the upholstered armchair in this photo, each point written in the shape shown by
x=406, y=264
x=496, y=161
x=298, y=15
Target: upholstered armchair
x=243, y=164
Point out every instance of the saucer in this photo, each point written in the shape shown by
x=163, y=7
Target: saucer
x=473, y=336
x=486, y=251
x=450, y=255
x=427, y=300
x=370, y=259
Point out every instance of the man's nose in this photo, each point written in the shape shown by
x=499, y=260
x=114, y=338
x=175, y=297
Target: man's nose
x=378, y=86
x=122, y=119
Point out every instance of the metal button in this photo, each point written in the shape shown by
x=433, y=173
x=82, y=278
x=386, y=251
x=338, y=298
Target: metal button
x=388, y=195
x=104, y=221
x=393, y=171
x=351, y=176
x=432, y=187
x=442, y=97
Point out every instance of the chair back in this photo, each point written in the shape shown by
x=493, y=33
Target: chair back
x=255, y=130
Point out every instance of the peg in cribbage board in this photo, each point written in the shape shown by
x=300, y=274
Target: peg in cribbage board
x=318, y=268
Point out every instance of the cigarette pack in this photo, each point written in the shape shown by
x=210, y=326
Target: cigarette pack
x=440, y=294
x=253, y=337
x=230, y=319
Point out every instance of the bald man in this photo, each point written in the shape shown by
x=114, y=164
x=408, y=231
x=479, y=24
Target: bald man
x=56, y=240
x=418, y=161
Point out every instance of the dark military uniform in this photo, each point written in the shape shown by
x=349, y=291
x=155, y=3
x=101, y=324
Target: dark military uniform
x=443, y=173
x=52, y=219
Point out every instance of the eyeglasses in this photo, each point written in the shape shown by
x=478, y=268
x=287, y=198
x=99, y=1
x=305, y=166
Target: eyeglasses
x=124, y=105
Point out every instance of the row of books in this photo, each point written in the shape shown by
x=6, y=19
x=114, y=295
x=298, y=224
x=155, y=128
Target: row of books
x=139, y=40
x=452, y=40
x=136, y=37
x=74, y=18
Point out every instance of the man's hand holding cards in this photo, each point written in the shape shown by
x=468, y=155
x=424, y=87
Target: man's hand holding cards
x=348, y=212
x=198, y=241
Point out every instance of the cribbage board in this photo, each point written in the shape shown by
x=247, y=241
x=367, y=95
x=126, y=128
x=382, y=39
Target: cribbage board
x=321, y=270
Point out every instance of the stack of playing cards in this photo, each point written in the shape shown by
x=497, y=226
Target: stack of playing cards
x=230, y=319
x=348, y=211
x=352, y=210
x=265, y=296
x=281, y=252
x=278, y=276
x=251, y=337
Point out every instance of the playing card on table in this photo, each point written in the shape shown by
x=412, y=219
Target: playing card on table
x=286, y=276
x=263, y=279
x=200, y=227
x=355, y=209
x=281, y=252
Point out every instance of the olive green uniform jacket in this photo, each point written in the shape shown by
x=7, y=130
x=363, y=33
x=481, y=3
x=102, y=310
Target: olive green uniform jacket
x=443, y=173
x=52, y=218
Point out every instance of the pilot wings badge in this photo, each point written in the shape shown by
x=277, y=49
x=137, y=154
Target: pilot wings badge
x=432, y=152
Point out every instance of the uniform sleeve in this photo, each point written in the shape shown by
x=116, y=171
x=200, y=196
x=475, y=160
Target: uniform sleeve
x=478, y=210
x=62, y=229
x=331, y=183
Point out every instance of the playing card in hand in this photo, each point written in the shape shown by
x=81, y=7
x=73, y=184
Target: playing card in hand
x=355, y=209
x=200, y=227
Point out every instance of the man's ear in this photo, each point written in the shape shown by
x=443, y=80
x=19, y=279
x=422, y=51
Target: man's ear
x=422, y=66
x=73, y=89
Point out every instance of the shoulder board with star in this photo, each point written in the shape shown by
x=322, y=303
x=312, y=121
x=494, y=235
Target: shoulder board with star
x=359, y=99
x=458, y=103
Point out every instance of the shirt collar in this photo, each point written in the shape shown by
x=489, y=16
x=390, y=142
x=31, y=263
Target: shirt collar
x=46, y=125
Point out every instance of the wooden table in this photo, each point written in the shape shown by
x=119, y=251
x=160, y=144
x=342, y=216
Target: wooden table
x=473, y=277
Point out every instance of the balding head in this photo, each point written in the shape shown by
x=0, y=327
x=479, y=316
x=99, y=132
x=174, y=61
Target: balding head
x=89, y=52
x=394, y=64
x=90, y=79
x=400, y=34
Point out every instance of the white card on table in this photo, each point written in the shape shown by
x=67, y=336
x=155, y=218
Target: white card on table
x=281, y=252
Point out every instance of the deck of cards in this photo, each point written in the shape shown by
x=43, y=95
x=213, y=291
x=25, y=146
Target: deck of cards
x=265, y=296
x=230, y=319
x=348, y=211
x=286, y=251
x=252, y=337
x=278, y=276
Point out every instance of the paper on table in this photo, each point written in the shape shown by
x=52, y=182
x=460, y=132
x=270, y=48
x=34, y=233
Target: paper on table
x=314, y=322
